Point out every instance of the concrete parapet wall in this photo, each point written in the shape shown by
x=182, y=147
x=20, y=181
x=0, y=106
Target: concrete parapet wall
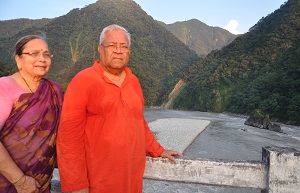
x=283, y=169
x=223, y=173
x=279, y=171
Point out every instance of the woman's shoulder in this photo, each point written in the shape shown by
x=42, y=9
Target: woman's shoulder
x=9, y=89
x=7, y=82
x=5, y=79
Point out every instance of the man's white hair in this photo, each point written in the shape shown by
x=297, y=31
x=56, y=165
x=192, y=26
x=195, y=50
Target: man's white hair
x=114, y=27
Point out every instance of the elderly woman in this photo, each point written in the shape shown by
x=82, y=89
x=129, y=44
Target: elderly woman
x=29, y=116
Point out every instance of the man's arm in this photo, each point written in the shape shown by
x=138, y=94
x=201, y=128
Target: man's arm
x=70, y=140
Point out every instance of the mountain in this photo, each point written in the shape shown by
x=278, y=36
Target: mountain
x=157, y=56
x=200, y=37
x=258, y=71
x=10, y=28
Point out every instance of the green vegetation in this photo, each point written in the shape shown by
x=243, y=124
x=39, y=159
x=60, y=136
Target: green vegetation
x=4, y=70
x=13, y=27
x=258, y=71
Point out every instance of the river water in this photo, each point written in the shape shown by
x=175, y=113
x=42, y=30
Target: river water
x=225, y=138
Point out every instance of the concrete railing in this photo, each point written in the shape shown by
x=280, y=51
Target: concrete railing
x=278, y=172
x=210, y=172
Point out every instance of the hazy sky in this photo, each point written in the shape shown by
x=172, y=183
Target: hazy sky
x=237, y=16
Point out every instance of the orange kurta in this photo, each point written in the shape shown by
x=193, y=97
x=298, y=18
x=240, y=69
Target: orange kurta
x=103, y=137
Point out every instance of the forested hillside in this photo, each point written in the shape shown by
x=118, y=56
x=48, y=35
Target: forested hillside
x=200, y=37
x=157, y=56
x=10, y=28
x=259, y=70
x=4, y=70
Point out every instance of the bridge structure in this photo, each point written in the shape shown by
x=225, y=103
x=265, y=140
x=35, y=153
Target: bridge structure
x=277, y=172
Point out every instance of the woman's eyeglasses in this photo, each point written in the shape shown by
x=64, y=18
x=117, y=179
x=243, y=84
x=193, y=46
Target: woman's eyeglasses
x=37, y=53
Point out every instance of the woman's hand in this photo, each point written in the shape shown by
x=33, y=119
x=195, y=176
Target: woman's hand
x=27, y=184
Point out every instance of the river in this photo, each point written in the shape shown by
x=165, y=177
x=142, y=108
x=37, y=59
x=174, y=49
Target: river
x=225, y=138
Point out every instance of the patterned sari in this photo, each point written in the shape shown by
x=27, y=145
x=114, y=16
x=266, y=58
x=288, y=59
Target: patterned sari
x=29, y=134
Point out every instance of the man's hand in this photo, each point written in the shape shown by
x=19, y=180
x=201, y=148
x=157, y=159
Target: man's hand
x=86, y=190
x=169, y=154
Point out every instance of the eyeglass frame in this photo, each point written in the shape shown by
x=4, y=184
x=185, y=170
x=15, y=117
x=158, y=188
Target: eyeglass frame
x=116, y=47
x=32, y=53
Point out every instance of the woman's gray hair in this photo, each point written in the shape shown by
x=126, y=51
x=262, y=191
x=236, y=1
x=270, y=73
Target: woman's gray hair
x=20, y=45
x=114, y=27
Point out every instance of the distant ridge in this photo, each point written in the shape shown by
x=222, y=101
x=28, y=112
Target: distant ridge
x=10, y=28
x=200, y=37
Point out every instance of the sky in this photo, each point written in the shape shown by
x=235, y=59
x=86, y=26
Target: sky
x=236, y=16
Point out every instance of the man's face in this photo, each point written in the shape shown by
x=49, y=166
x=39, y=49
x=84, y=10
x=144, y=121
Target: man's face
x=114, y=51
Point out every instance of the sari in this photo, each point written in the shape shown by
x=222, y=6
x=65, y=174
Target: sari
x=29, y=134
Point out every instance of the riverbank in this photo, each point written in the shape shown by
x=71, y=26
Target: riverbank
x=177, y=134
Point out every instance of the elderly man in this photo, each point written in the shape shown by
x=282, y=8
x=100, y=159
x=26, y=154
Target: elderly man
x=103, y=137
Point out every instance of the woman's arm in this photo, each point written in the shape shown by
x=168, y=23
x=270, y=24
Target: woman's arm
x=8, y=167
x=6, y=106
x=10, y=170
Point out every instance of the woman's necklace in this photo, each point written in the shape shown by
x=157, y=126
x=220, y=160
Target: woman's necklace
x=26, y=83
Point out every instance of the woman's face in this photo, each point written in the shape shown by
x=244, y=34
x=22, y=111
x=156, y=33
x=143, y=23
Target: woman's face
x=35, y=60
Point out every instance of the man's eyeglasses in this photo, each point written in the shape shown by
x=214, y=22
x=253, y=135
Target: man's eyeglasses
x=114, y=47
x=37, y=53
